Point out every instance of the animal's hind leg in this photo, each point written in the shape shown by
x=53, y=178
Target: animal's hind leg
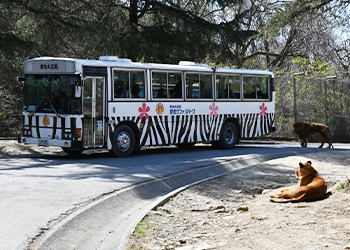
x=322, y=140
x=330, y=145
x=285, y=193
x=328, y=139
x=303, y=142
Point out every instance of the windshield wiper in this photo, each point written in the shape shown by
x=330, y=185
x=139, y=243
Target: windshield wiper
x=42, y=101
x=53, y=107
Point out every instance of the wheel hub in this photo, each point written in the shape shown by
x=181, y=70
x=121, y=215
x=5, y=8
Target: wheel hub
x=229, y=136
x=123, y=141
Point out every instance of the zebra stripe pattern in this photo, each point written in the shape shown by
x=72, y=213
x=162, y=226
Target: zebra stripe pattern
x=177, y=129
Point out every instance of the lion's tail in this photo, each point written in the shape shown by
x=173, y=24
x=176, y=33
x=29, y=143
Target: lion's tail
x=298, y=199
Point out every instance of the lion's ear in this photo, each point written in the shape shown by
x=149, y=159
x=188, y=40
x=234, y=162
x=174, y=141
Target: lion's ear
x=309, y=162
x=301, y=165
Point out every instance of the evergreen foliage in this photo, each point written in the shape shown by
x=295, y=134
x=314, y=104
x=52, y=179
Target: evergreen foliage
x=277, y=35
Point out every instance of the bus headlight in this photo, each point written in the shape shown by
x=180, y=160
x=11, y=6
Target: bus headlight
x=27, y=132
x=68, y=136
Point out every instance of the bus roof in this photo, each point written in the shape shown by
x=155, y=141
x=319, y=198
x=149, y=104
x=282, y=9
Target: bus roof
x=71, y=65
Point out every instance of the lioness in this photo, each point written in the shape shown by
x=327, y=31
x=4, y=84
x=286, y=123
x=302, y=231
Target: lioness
x=305, y=130
x=312, y=186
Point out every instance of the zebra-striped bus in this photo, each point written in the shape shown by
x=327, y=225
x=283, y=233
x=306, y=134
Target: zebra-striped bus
x=120, y=105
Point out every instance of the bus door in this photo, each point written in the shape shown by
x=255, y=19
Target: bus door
x=93, y=128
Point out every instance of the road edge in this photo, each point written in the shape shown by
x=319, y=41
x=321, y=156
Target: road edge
x=96, y=227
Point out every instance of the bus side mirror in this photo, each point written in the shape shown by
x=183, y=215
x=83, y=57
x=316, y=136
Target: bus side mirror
x=77, y=92
x=21, y=81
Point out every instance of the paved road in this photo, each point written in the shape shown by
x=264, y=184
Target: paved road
x=37, y=190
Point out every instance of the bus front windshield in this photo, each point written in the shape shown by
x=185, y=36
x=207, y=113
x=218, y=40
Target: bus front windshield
x=51, y=94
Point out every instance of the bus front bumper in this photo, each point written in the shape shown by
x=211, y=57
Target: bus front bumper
x=45, y=142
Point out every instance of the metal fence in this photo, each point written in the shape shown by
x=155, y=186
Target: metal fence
x=323, y=100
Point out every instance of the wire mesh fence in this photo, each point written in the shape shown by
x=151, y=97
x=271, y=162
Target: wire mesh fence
x=313, y=99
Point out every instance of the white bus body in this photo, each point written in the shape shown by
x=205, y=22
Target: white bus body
x=121, y=105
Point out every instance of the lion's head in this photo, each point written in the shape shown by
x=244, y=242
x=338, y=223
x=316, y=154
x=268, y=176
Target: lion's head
x=297, y=127
x=304, y=169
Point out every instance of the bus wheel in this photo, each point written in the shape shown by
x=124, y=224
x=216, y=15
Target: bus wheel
x=228, y=136
x=123, y=141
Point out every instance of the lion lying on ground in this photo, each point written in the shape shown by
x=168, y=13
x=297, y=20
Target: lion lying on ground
x=305, y=130
x=312, y=186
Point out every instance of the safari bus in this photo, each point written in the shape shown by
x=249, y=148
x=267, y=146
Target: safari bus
x=119, y=105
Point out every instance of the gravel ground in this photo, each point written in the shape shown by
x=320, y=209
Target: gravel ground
x=235, y=212
x=12, y=147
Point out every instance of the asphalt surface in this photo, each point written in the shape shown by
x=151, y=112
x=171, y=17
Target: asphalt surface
x=50, y=202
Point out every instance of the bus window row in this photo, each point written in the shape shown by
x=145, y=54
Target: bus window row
x=168, y=85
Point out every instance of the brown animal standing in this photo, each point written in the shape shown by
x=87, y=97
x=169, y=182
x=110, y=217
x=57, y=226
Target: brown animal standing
x=312, y=186
x=305, y=130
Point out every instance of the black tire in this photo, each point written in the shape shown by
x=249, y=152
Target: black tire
x=123, y=141
x=228, y=136
x=71, y=152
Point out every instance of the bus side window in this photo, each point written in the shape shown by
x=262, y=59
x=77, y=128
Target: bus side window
x=192, y=85
x=175, y=85
x=228, y=87
x=159, y=85
x=221, y=86
x=249, y=87
x=265, y=88
x=137, y=84
x=234, y=87
x=206, y=87
x=121, y=84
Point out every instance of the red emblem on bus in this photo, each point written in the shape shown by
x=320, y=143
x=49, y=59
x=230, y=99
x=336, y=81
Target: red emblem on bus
x=46, y=121
x=144, y=111
x=213, y=110
x=263, y=109
x=160, y=108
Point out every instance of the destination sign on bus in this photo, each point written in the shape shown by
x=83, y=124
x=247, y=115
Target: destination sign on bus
x=49, y=66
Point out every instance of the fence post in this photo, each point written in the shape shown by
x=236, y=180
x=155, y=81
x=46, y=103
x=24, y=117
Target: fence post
x=332, y=78
x=294, y=100
x=295, y=94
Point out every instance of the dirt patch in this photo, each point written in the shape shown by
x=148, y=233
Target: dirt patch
x=235, y=212
x=13, y=148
